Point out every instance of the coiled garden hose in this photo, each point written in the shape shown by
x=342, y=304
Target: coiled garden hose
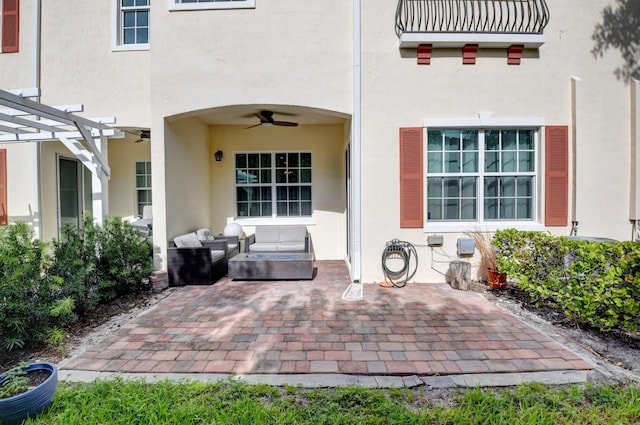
x=403, y=253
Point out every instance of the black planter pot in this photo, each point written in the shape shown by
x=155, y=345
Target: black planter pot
x=14, y=410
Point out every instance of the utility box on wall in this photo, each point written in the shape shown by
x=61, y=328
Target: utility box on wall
x=466, y=246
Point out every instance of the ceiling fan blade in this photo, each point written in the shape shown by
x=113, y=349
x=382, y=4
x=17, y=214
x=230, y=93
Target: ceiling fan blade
x=251, y=126
x=286, y=123
x=261, y=117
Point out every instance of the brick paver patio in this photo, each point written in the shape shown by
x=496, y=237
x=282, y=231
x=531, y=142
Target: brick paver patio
x=302, y=327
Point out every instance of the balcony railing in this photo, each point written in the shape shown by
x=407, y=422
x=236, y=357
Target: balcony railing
x=472, y=16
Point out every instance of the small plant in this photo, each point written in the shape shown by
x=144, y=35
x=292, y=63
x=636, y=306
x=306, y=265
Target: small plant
x=15, y=382
x=488, y=254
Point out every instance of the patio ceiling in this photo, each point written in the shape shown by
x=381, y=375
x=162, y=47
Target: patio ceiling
x=25, y=120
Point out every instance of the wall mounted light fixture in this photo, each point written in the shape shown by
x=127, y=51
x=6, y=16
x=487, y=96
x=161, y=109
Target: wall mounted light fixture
x=218, y=155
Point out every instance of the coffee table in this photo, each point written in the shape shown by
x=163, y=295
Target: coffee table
x=271, y=266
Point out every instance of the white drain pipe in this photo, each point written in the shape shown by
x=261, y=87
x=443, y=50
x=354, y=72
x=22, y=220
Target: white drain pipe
x=356, y=261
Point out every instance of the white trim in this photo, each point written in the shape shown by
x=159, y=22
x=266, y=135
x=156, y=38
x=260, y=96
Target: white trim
x=411, y=40
x=260, y=221
x=130, y=47
x=464, y=226
x=484, y=120
x=211, y=5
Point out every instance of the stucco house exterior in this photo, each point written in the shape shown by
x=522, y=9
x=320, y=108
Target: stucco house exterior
x=414, y=118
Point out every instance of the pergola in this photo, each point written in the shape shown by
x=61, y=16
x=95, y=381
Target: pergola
x=25, y=120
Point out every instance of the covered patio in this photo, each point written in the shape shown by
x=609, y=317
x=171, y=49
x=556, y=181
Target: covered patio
x=294, y=328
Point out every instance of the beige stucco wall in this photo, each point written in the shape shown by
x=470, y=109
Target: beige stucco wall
x=399, y=93
x=325, y=142
x=16, y=69
x=79, y=65
x=277, y=53
x=21, y=167
x=123, y=154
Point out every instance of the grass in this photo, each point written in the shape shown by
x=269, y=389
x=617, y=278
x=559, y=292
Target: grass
x=136, y=402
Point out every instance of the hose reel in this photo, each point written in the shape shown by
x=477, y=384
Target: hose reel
x=399, y=262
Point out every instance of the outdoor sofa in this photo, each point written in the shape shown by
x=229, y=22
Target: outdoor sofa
x=280, y=238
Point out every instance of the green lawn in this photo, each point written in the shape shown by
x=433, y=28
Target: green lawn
x=137, y=402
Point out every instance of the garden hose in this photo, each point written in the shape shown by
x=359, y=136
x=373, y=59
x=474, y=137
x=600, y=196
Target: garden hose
x=403, y=253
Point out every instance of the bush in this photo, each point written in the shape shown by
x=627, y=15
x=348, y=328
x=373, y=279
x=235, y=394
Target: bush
x=31, y=302
x=594, y=283
x=40, y=295
x=99, y=264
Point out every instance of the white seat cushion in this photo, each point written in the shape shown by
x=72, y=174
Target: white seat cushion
x=263, y=247
x=217, y=255
x=290, y=246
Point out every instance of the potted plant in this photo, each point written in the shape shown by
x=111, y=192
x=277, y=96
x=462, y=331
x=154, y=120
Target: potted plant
x=26, y=390
x=488, y=268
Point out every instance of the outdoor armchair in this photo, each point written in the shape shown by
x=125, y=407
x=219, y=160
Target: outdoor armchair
x=194, y=262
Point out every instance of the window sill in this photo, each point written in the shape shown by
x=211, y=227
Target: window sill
x=440, y=40
x=259, y=221
x=130, y=48
x=248, y=4
x=460, y=227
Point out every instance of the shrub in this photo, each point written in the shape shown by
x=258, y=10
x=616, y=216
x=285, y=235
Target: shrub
x=31, y=302
x=98, y=264
x=594, y=283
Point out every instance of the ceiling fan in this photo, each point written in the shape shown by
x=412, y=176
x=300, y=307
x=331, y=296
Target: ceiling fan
x=266, y=120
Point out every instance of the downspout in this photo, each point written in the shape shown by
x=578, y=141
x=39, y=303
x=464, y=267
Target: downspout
x=356, y=145
x=37, y=227
x=574, y=155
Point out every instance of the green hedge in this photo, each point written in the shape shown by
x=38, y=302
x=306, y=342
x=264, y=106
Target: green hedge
x=41, y=293
x=594, y=283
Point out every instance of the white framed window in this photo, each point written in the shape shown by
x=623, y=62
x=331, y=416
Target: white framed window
x=481, y=176
x=132, y=25
x=143, y=185
x=273, y=184
x=211, y=4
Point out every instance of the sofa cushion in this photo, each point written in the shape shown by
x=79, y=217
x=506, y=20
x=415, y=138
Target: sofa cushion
x=217, y=255
x=267, y=234
x=263, y=247
x=293, y=234
x=290, y=246
x=189, y=240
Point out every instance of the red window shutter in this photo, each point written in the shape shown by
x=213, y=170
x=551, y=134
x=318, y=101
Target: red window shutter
x=10, y=25
x=411, y=176
x=556, y=208
x=4, y=210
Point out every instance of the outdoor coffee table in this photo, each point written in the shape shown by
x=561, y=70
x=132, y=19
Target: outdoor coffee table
x=271, y=265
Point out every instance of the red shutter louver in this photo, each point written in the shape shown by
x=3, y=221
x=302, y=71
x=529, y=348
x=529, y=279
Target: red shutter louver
x=556, y=202
x=411, y=176
x=4, y=211
x=10, y=25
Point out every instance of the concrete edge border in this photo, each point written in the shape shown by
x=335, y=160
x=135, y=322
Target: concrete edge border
x=559, y=377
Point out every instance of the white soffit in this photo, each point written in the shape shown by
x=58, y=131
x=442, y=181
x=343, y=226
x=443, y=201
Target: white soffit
x=25, y=120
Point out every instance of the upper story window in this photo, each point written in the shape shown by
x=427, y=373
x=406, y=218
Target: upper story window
x=211, y=4
x=133, y=24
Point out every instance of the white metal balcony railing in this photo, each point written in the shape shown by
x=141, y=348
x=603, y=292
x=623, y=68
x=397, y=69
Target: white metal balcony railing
x=477, y=16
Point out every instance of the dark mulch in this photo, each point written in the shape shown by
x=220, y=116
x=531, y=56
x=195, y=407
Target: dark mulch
x=75, y=332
